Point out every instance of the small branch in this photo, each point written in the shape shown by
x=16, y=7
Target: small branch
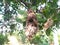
x=48, y=24
x=26, y=3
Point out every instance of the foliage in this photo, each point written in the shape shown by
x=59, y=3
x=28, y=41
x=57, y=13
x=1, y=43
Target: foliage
x=22, y=35
x=59, y=39
x=9, y=8
x=51, y=7
x=38, y=39
x=3, y=39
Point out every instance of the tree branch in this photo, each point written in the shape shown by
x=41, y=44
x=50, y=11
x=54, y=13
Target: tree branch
x=26, y=3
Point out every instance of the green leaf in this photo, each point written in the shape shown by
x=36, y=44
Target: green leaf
x=12, y=26
x=48, y=32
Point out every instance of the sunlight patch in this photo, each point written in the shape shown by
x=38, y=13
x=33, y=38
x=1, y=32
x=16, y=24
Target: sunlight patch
x=13, y=40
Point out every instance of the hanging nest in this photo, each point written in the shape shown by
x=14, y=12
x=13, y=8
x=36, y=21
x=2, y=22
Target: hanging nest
x=31, y=24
